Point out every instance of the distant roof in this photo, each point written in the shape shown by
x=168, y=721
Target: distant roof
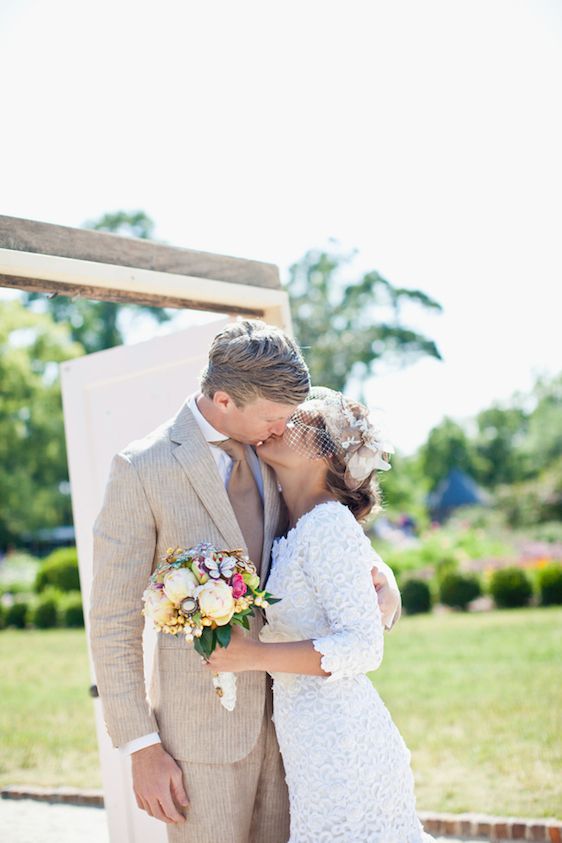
x=456, y=489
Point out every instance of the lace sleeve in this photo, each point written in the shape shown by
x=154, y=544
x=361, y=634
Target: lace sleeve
x=337, y=561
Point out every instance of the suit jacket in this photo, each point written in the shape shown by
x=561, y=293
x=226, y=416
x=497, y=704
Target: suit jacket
x=163, y=491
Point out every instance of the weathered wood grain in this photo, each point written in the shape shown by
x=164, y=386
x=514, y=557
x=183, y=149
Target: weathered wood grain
x=37, y=285
x=48, y=239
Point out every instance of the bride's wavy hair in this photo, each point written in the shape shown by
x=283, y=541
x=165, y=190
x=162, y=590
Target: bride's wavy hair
x=364, y=501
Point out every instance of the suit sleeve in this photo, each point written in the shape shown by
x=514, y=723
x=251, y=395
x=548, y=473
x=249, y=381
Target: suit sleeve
x=337, y=562
x=124, y=536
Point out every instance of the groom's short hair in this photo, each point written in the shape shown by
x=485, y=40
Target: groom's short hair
x=250, y=359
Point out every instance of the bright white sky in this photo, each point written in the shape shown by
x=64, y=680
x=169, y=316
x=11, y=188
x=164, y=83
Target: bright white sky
x=426, y=135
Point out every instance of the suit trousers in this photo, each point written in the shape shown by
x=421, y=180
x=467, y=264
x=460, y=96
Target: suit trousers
x=243, y=802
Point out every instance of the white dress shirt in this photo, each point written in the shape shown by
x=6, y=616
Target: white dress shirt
x=224, y=465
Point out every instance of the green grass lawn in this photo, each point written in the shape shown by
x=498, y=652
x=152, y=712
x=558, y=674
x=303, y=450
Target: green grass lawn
x=47, y=730
x=477, y=698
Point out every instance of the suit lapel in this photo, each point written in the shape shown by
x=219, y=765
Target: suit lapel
x=194, y=455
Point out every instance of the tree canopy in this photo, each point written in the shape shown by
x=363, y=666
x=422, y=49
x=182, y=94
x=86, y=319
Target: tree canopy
x=346, y=324
x=33, y=470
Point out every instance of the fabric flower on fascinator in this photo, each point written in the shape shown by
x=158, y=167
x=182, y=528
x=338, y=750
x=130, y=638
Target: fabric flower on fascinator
x=329, y=424
x=365, y=456
x=365, y=446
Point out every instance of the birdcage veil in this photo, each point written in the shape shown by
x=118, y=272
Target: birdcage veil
x=330, y=424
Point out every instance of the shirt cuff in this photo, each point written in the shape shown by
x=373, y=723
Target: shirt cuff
x=140, y=743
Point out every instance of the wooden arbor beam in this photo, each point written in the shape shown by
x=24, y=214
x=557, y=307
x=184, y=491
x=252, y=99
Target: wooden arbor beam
x=59, y=260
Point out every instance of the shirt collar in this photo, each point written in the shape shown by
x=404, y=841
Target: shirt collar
x=210, y=433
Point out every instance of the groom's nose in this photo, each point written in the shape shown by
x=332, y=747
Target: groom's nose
x=278, y=428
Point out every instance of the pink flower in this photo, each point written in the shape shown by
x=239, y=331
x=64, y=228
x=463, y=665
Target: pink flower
x=239, y=587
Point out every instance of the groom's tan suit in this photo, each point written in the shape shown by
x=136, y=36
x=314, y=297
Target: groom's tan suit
x=163, y=491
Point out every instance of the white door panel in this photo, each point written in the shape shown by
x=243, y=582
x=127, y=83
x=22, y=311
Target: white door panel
x=110, y=398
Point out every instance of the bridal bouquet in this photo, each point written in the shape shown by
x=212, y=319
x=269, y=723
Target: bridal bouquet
x=200, y=592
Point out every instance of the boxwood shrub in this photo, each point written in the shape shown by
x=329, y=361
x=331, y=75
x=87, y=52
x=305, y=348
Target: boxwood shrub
x=510, y=587
x=60, y=570
x=18, y=614
x=71, y=612
x=44, y=613
x=549, y=581
x=458, y=590
x=416, y=596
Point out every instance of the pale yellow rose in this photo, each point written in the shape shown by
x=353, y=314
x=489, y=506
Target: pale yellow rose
x=179, y=584
x=216, y=601
x=158, y=607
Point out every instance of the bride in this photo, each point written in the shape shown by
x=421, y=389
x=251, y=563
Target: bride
x=347, y=766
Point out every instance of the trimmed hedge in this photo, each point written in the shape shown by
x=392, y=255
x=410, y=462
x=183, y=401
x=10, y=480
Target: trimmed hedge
x=44, y=614
x=71, y=612
x=17, y=614
x=549, y=581
x=52, y=608
x=60, y=570
x=416, y=596
x=457, y=590
x=510, y=587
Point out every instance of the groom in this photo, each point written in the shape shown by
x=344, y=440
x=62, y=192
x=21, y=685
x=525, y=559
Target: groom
x=208, y=773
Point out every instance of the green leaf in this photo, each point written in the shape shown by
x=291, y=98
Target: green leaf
x=224, y=634
x=206, y=642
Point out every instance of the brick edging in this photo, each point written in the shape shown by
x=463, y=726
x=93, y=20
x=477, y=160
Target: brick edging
x=478, y=826
x=468, y=825
x=67, y=795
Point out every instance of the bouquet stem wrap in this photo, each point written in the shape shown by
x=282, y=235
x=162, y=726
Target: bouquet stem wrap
x=225, y=686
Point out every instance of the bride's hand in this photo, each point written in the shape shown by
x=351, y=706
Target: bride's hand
x=390, y=601
x=241, y=654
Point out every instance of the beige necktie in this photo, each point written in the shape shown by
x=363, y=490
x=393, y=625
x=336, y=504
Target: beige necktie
x=244, y=496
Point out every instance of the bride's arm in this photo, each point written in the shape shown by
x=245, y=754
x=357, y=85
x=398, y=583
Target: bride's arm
x=245, y=653
x=338, y=567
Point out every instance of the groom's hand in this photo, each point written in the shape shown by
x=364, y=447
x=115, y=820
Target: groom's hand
x=158, y=784
x=390, y=601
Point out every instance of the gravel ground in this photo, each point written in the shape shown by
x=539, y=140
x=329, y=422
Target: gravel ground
x=30, y=821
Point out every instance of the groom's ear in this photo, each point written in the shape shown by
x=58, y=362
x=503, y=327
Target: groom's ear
x=222, y=400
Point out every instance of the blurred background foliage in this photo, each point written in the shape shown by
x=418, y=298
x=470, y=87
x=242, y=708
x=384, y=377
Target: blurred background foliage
x=349, y=325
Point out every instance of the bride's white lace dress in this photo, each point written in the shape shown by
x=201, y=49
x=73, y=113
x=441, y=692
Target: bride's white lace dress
x=347, y=766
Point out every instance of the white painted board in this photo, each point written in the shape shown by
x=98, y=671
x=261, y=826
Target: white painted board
x=110, y=398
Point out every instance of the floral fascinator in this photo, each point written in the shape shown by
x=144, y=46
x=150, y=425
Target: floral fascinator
x=329, y=423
